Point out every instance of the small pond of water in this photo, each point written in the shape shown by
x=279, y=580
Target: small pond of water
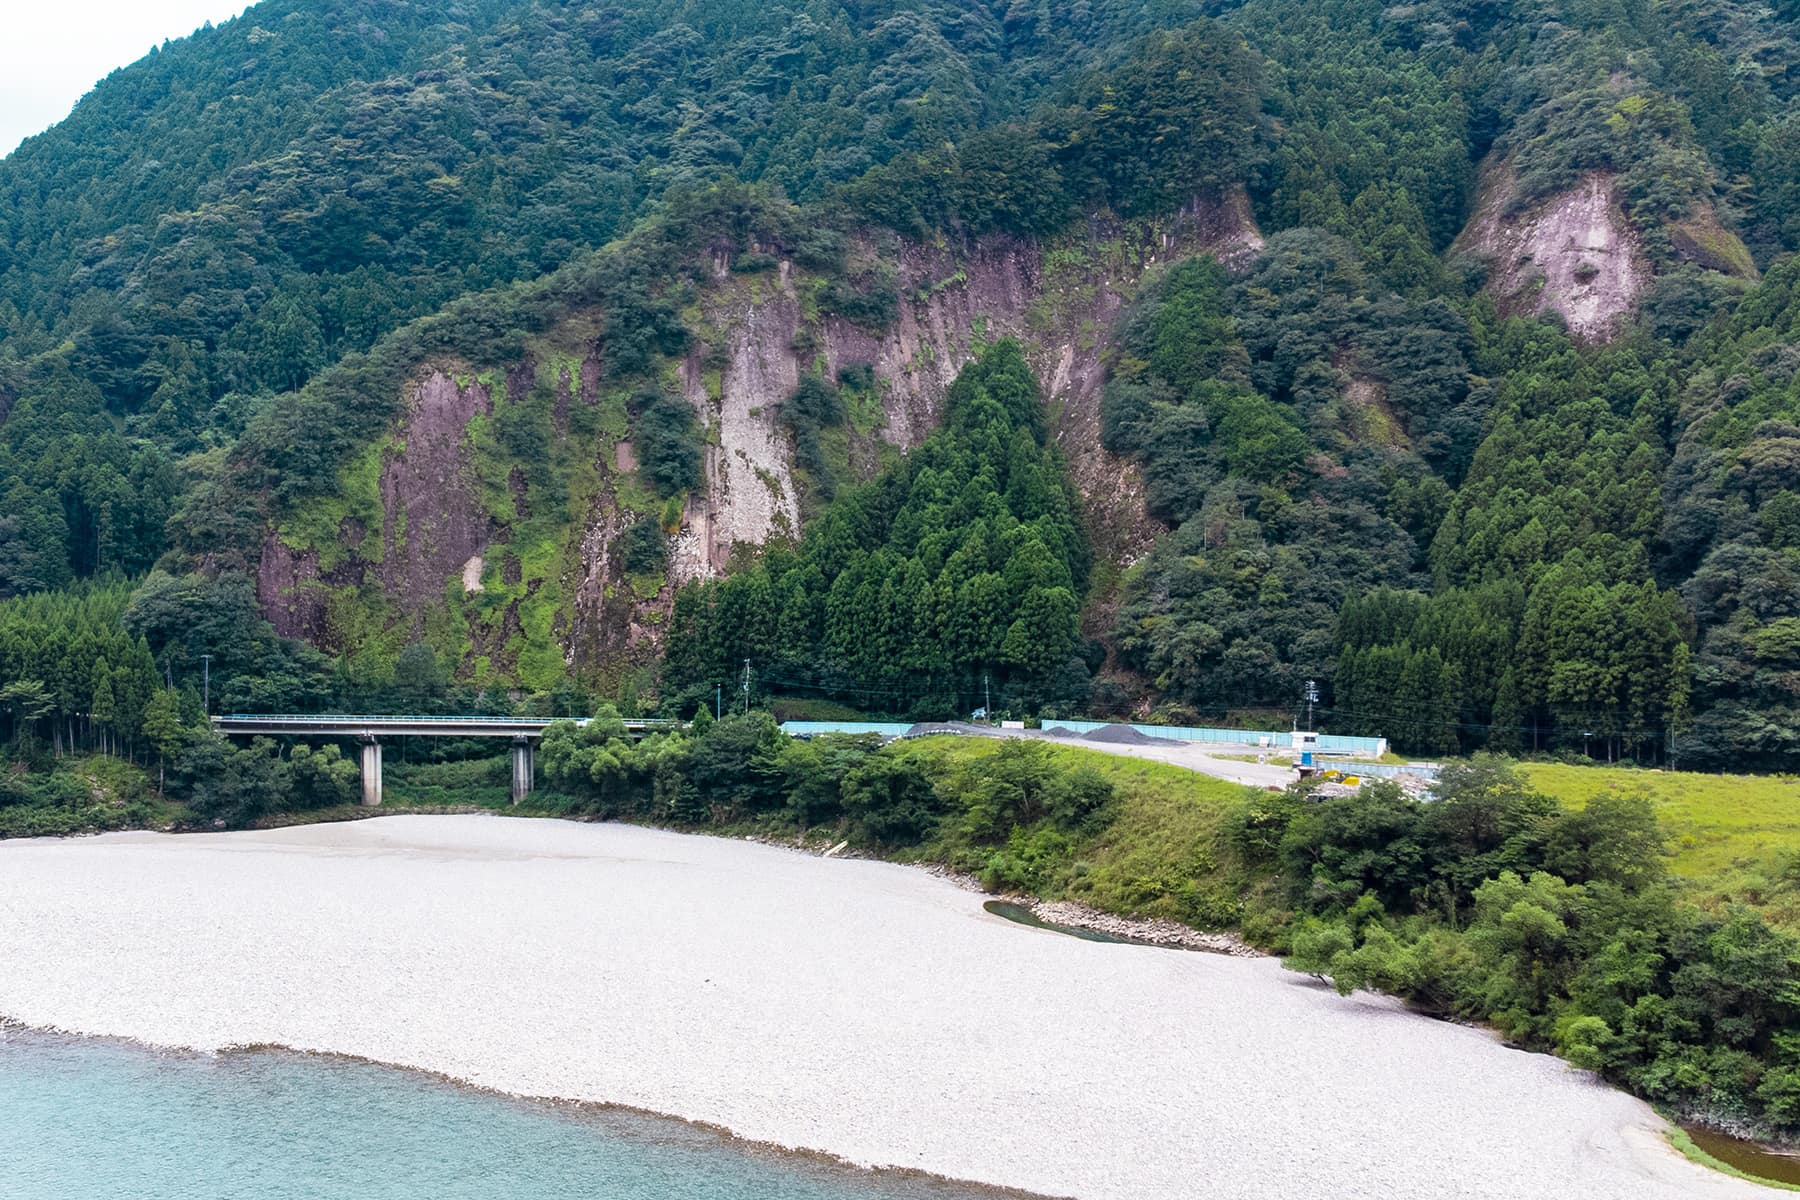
x=1024, y=916
x=1748, y=1157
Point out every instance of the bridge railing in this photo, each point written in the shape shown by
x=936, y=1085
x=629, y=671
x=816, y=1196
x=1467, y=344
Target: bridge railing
x=416, y=719
x=402, y=725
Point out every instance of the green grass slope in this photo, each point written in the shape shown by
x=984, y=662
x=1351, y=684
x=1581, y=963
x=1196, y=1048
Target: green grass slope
x=1734, y=838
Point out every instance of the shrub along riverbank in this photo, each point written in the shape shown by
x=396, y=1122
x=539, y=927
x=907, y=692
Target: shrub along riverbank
x=86, y=793
x=1560, y=925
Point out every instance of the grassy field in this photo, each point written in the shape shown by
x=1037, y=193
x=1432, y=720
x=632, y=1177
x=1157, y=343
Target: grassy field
x=1734, y=837
x=1157, y=857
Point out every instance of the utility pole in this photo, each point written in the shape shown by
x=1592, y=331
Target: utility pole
x=206, y=684
x=718, y=700
x=746, y=687
x=987, y=698
x=1311, y=695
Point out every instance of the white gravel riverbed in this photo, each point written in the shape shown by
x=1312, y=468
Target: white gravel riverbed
x=858, y=1008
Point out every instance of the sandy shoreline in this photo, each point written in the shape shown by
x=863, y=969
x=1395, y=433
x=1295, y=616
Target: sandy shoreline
x=858, y=1009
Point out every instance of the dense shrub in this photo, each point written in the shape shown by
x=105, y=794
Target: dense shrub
x=668, y=450
x=1495, y=903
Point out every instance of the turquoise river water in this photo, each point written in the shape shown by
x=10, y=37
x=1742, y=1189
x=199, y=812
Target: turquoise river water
x=85, y=1119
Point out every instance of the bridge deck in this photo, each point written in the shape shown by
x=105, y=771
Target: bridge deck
x=342, y=725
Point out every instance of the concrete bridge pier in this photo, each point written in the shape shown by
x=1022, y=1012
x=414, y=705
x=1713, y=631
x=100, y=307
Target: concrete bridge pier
x=522, y=763
x=371, y=772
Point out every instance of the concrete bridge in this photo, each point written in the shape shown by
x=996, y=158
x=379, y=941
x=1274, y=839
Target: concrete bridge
x=368, y=731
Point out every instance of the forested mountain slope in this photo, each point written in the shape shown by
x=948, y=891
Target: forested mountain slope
x=1441, y=353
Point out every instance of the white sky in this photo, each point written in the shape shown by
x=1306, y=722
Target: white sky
x=53, y=51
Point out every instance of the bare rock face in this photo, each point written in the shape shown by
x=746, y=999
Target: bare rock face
x=433, y=524
x=287, y=588
x=945, y=298
x=1219, y=224
x=1575, y=253
x=750, y=497
x=1578, y=254
x=603, y=625
x=435, y=519
x=753, y=344
x=1062, y=308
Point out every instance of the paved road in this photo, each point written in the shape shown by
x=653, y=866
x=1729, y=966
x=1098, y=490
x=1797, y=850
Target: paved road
x=1184, y=754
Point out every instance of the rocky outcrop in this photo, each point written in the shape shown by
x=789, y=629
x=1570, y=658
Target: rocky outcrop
x=1064, y=316
x=1062, y=306
x=755, y=335
x=947, y=299
x=287, y=585
x=1578, y=254
x=1575, y=253
x=605, y=624
x=750, y=497
x=432, y=522
x=435, y=520
x=1220, y=224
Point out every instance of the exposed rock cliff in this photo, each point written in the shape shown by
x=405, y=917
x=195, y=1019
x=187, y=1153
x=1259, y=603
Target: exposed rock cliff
x=429, y=524
x=430, y=537
x=1574, y=253
x=430, y=496
x=1060, y=302
x=750, y=496
x=1577, y=253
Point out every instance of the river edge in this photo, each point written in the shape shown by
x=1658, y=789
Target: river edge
x=1156, y=933
x=1159, y=932
x=1676, y=1136
x=1167, y=934
x=720, y=1135
x=1681, y=1136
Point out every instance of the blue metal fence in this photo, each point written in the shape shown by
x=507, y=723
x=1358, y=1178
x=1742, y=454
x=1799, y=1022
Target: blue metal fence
x=888, y=729
x=1329, y=743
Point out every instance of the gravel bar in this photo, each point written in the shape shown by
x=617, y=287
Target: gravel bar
x=862, y=1009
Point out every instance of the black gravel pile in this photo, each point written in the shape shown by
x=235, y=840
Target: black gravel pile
x=1122, y=735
